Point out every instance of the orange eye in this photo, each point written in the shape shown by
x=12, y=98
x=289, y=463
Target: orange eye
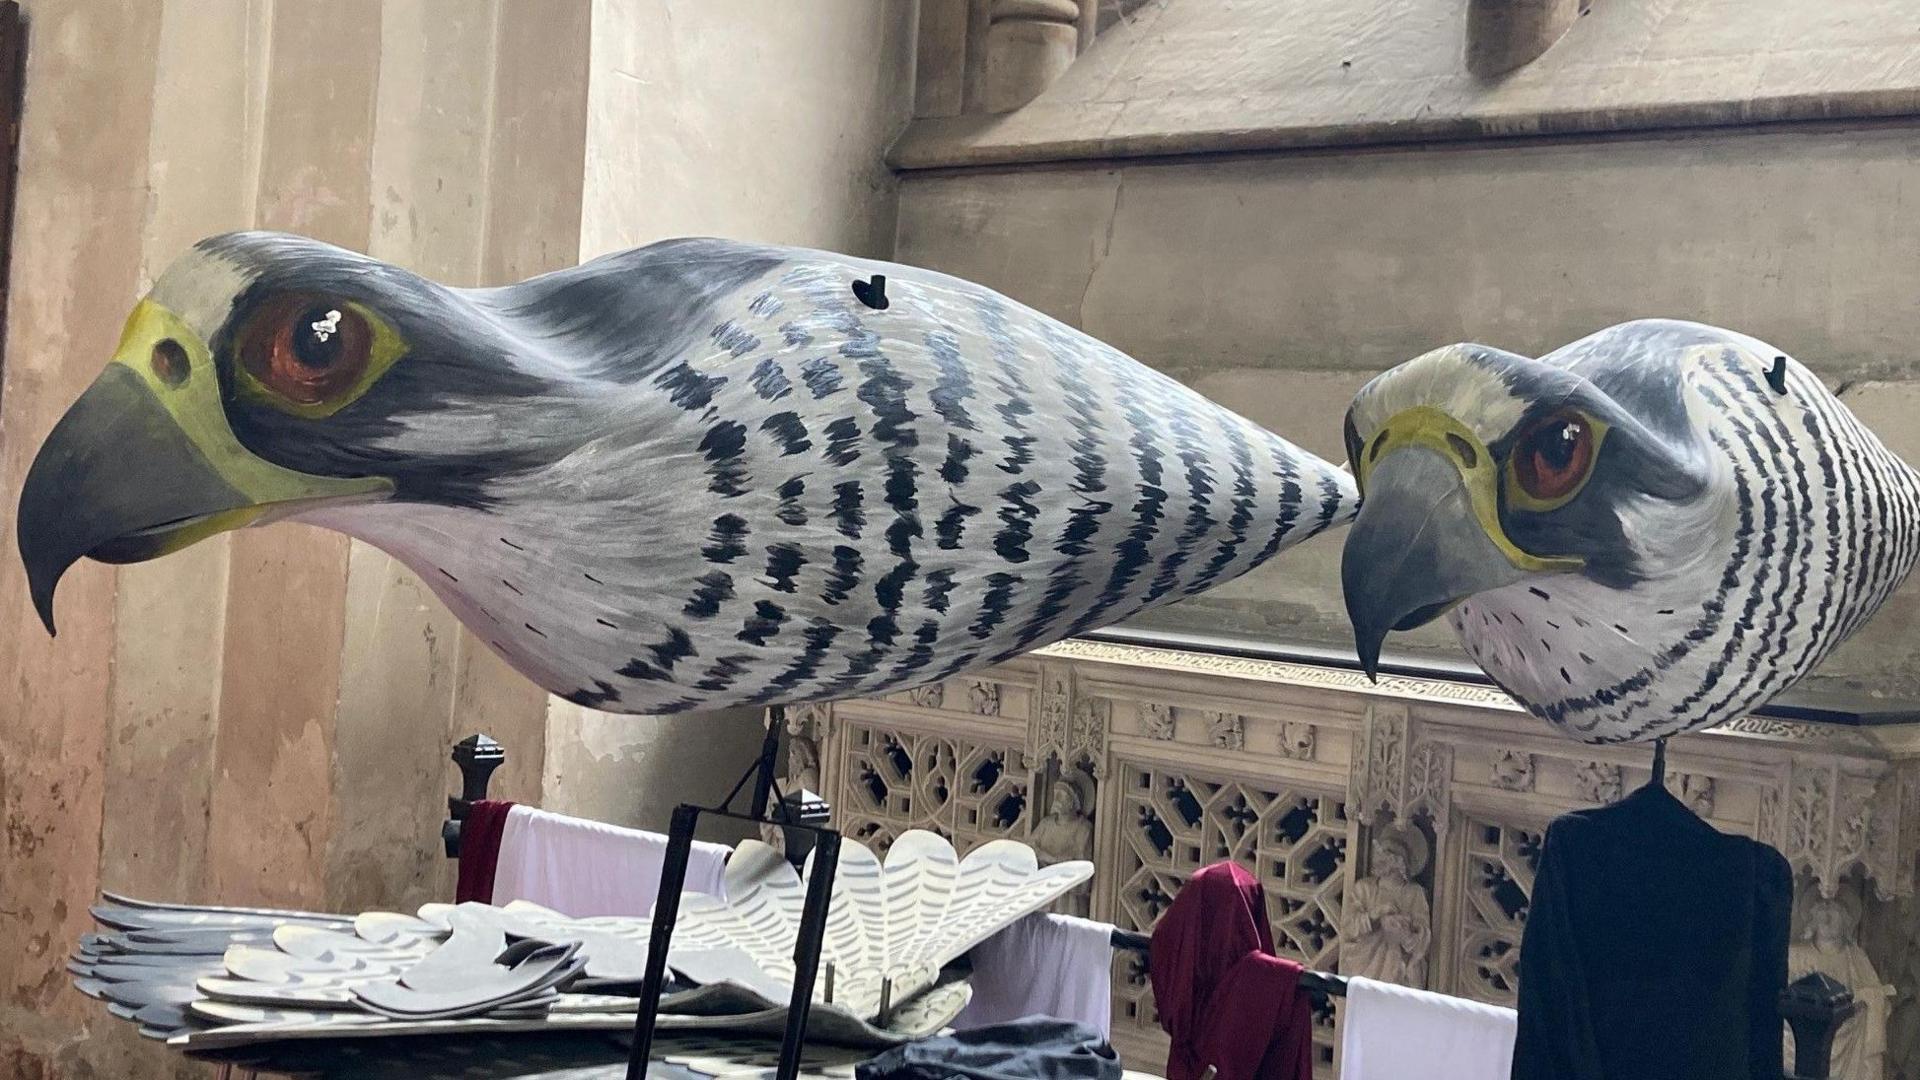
x=1552, y=456
x=307, y=349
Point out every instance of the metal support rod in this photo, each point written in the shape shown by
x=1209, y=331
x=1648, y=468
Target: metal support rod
x=806, y=951
x=769, y=754
x=666, y=910
x=673, y=879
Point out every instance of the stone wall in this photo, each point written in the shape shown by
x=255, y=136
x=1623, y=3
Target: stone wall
x=1279, y=281
x=263, y=719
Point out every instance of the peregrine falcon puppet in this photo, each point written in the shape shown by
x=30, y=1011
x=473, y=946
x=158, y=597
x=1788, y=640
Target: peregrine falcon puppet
x=692, y=475
x=702, y=474
x=1651, y=530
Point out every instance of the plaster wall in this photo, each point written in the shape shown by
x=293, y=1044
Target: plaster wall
x=264, y=718
x=740, y=119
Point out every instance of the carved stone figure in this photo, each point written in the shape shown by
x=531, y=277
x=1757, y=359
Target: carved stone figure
x=1826, y=939
x=1513, y=770
x=1387, y=929
x=1296, y=740
x=1599, y=782
x=984, y=698
x=1066, y=833
x=803, y=765
x=1226, y=730
x=1696, y=790
x=1156, y=720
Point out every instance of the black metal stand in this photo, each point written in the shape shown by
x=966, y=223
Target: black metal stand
x=673, y=878
x=477, y=756
x=1815, y=1006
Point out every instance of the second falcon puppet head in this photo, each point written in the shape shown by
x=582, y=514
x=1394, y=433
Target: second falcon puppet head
x=1651, y=530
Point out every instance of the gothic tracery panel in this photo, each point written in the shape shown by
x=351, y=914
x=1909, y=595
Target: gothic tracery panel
x=894, y=780
x=1501, y=861
x=984, y=757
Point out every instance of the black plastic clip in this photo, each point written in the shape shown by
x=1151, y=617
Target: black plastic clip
x=872, y=293
x=1777, y=375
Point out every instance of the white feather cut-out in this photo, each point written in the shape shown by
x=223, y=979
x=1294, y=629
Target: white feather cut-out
x=899, y=920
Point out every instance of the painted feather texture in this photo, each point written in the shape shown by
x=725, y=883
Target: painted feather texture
x=214, y=977
x=782, y=495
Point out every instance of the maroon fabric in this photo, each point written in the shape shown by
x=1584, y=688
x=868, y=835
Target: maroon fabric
x=1221, y=994
x=480, y=850
x=1259, y=1023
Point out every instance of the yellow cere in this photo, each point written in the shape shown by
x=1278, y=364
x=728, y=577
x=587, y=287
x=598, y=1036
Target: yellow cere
x=195, y=405
x=1428, y=427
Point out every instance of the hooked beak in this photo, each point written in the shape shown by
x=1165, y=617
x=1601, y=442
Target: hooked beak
x=145, y=464
x=1417, y=549
x=116, y=480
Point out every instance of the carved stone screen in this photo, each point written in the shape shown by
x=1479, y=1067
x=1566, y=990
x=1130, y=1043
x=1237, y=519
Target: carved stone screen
x=1497, y=883
x=965, y=790
x=1420, y=801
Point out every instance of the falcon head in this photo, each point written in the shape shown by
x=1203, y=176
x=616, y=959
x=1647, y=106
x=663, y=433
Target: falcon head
x=228, y=401
x=269, y=376
x=1484, y=474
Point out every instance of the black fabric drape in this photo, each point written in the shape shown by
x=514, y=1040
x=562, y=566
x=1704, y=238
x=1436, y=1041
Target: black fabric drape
x=1655, y=948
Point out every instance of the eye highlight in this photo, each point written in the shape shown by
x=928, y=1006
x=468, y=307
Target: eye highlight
x=1552, y=459
x=312, y=355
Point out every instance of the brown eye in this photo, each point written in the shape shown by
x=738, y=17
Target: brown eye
x=307, y=349
x=1552, y=455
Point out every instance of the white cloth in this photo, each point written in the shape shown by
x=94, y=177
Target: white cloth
x=581, y=868
x=1052, y=965
x=1398, y=1033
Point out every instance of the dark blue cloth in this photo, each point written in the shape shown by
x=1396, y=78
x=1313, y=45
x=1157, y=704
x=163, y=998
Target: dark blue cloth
x=1655, y=949
x=1033, y=1048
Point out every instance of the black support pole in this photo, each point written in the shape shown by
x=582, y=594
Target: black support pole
x=769, y=755
x=666, y=910
x=673, y=879
x=806, y=951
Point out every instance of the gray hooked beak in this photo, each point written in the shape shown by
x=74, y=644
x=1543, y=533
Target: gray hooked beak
x=145, y=463
x=117, y=480
x=1416, y=550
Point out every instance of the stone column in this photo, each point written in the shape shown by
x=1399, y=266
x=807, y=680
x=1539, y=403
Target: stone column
x=1029, y=43
x=1506, y=34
